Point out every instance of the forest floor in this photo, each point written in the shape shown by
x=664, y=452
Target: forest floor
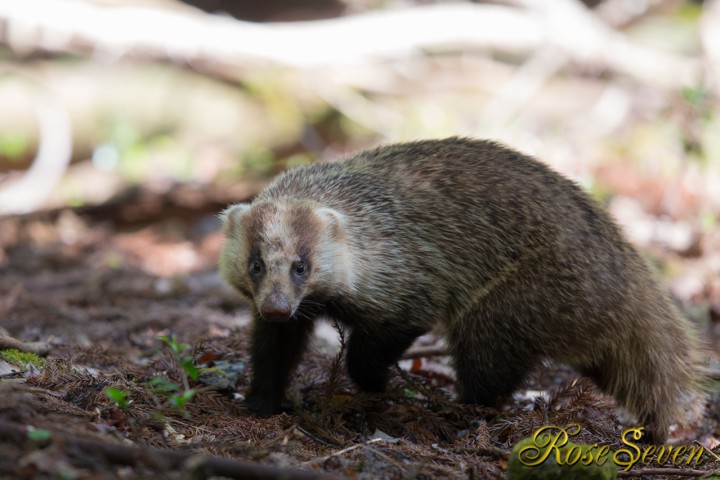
x=103, y=285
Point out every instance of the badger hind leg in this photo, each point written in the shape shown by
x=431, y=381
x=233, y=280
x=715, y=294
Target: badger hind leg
x=489, y=367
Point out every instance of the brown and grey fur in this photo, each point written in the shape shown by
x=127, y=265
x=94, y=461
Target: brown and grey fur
x=517, y=262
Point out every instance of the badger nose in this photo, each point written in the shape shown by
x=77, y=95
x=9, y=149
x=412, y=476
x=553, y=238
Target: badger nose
x=276, y=308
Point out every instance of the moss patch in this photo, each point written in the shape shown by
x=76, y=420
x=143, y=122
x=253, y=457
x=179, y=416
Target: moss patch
x=550, y=469
x=21, y=359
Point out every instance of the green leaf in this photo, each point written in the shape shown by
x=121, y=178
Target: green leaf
x=39, y=434
x=179, y=401
x=409, y=393
x=118, y=396
x=164, y=385
x=176, y=347
x=188, y=365
x=694, y=95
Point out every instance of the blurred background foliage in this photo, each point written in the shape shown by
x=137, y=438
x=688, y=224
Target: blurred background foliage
x=223, y=94
x=136, y=119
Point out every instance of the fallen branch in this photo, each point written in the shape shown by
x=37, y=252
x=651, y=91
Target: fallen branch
x=325, y=458
x=429, y=351
x=53, y=156
x=226, y=47
x=689, y=472
x=621, y=14
x=164, y=460
x=710, y=38
x=38, y=348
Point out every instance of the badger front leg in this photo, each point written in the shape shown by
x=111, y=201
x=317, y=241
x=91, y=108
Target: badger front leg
x=275, y=352
x=370, y=355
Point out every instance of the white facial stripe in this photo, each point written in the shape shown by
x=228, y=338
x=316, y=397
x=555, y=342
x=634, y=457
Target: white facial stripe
x=278, y=241
x=275, y=231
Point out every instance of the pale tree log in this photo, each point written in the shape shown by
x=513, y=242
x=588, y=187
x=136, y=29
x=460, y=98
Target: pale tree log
x=621, y=13
x=225, y=46
x=30, y=191
x=710, y=37
x=64, y=110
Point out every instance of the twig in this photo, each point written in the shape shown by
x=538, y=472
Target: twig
x=707, y=450
x=334, y=376
x=38, y=348
x=165, y=460
x=641, y=472
x=429, y=351
x=314, y=437
x=492, y=452
x=388, y=458
x=341, y=452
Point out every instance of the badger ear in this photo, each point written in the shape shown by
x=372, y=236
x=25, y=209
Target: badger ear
x=332, y=219
x=232, y=215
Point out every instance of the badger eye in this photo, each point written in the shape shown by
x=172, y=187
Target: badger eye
x=255, y=267
x=300, y=269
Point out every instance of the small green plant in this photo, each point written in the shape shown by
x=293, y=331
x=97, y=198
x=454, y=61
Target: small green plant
x=177, y=396
x=39, y=435
x=180, y=399
x=186, y=363
x=409, y=393
x=120, y=397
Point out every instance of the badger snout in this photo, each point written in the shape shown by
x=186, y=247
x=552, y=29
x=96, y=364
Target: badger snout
x=276, y=308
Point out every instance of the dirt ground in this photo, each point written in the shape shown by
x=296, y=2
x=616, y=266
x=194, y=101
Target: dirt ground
x=101, y=285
